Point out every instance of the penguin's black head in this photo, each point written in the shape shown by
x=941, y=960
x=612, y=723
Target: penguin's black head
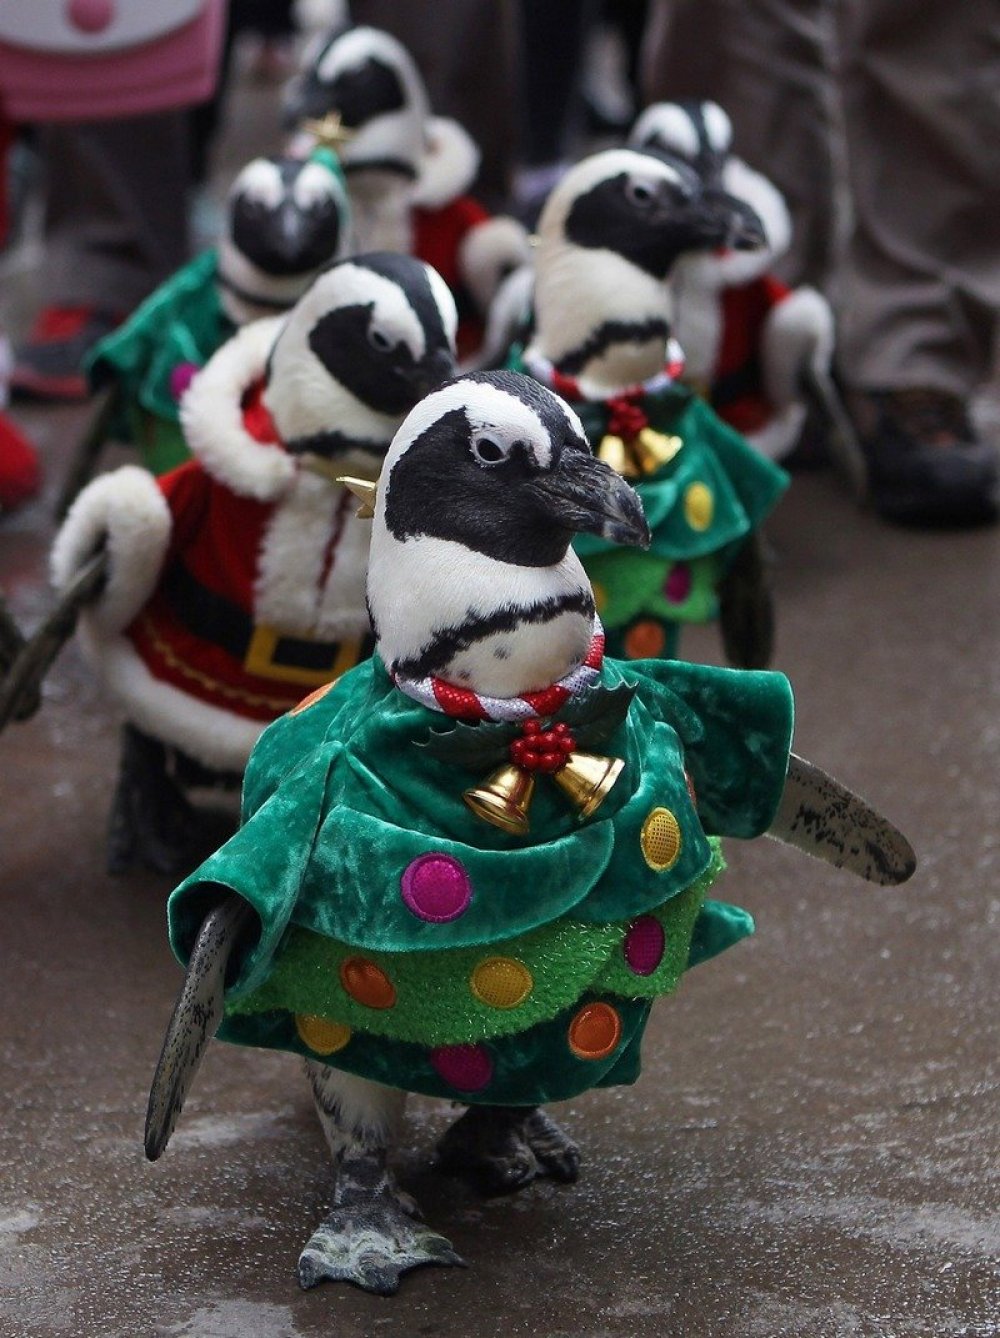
x=646, y=210
x=288, y=216
x=498, y=464
x=386, y=331
x=700, y=134
x=369, y=79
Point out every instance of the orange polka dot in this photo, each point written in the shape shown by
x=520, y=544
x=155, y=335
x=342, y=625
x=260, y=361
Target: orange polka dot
x=311, y=700
x=645, y=640
x=367, y=983
x=501, y=982
x=321, y=1036
x=595, y=1031
x=660, y=839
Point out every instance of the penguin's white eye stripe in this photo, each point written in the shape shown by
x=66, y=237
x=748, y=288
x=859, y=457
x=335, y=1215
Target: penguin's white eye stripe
x=261, y=181
x=313, y=186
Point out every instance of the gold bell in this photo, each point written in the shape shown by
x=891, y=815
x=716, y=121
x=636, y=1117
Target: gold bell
x=503, y=798
x=587, y=780
x=653, y=449
x=612, y=451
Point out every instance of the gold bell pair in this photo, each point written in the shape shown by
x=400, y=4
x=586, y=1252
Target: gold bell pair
x=504, y=798
x=639, y=456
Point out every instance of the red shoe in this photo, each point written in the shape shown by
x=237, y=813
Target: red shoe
x=49, y=365
x=20, y=475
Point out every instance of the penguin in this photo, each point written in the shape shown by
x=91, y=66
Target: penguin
x=286, y=219
x=405, y=930
x=751, y=342
x=610, y=238
x=237, y=579
x=408, y=171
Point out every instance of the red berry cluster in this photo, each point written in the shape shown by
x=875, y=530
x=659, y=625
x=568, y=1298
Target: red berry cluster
x=626, y=419
x=542, y=749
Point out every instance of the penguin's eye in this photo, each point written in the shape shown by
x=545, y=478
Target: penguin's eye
x=379, y=340
x=489, y=451
x=640, y=193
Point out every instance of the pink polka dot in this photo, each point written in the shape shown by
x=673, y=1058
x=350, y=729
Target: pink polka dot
x=90, y=16
x=181, y=377
x=436, y=888
x=468, y=1068
x=644, y=945
x=677, y=586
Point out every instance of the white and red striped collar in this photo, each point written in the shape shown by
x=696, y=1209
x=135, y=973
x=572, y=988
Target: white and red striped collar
x=577, y=388
x=461, y=703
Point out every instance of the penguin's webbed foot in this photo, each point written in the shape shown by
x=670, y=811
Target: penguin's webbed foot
x=502, y=1149
x=372, y=1240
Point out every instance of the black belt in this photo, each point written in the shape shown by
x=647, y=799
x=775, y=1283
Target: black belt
x=262, y=650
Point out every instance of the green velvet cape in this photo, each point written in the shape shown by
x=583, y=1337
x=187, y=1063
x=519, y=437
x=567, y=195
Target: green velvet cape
x=402, y=938
x=718, y=481
x=182, y=322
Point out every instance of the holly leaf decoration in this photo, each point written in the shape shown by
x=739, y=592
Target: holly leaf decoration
x=476, y=746
x=594, y=715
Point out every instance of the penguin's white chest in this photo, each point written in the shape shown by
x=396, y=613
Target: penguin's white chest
x=312, y=563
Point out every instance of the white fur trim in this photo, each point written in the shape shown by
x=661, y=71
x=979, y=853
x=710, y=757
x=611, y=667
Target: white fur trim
x=798, y=333
x=298, y=588
x=126, y=512
x=508, y=310
x=489, y=252
x=780, y=434
x=212, y=418
x=448, y=165
x=218, y=738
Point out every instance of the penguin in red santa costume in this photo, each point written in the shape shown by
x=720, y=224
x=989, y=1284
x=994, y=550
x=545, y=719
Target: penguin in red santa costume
x=235, y=583
x=749, y=340
x=408, y=171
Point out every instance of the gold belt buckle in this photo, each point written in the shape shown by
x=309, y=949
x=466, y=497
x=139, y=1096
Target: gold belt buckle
x=259, y=659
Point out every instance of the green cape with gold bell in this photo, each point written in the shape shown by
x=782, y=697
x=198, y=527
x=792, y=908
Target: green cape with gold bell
x=401, y=937
x=704, y=490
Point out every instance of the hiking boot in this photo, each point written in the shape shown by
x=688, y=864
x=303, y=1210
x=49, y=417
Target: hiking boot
x=926, y=465
x=49, y=364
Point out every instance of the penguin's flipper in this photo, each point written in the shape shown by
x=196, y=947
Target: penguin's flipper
x=746, y=608
x=196, y=1018
x=823, y=818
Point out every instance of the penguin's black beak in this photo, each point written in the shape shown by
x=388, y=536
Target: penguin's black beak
x=425, y=375
x=723, y=220
x=586, y=496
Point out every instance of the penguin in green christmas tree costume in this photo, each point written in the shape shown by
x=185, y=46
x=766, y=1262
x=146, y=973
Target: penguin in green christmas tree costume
x=608, y=239
x=469, y=867
x=287, y=218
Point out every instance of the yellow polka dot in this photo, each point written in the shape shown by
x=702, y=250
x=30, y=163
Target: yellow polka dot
x=699, y=506
x=367, y=983
x=661, y=839
x=501, y=982
x=645, y=640
x=311, y=700
x=600, y=596
x=324, y=1037
x=595, y=1031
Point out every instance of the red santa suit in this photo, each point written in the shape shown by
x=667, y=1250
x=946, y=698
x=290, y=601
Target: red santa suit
x=236, y=581
x=746, y=336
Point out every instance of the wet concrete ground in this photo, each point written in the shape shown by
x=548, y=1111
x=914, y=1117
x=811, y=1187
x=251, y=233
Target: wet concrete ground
x=811, y=1151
